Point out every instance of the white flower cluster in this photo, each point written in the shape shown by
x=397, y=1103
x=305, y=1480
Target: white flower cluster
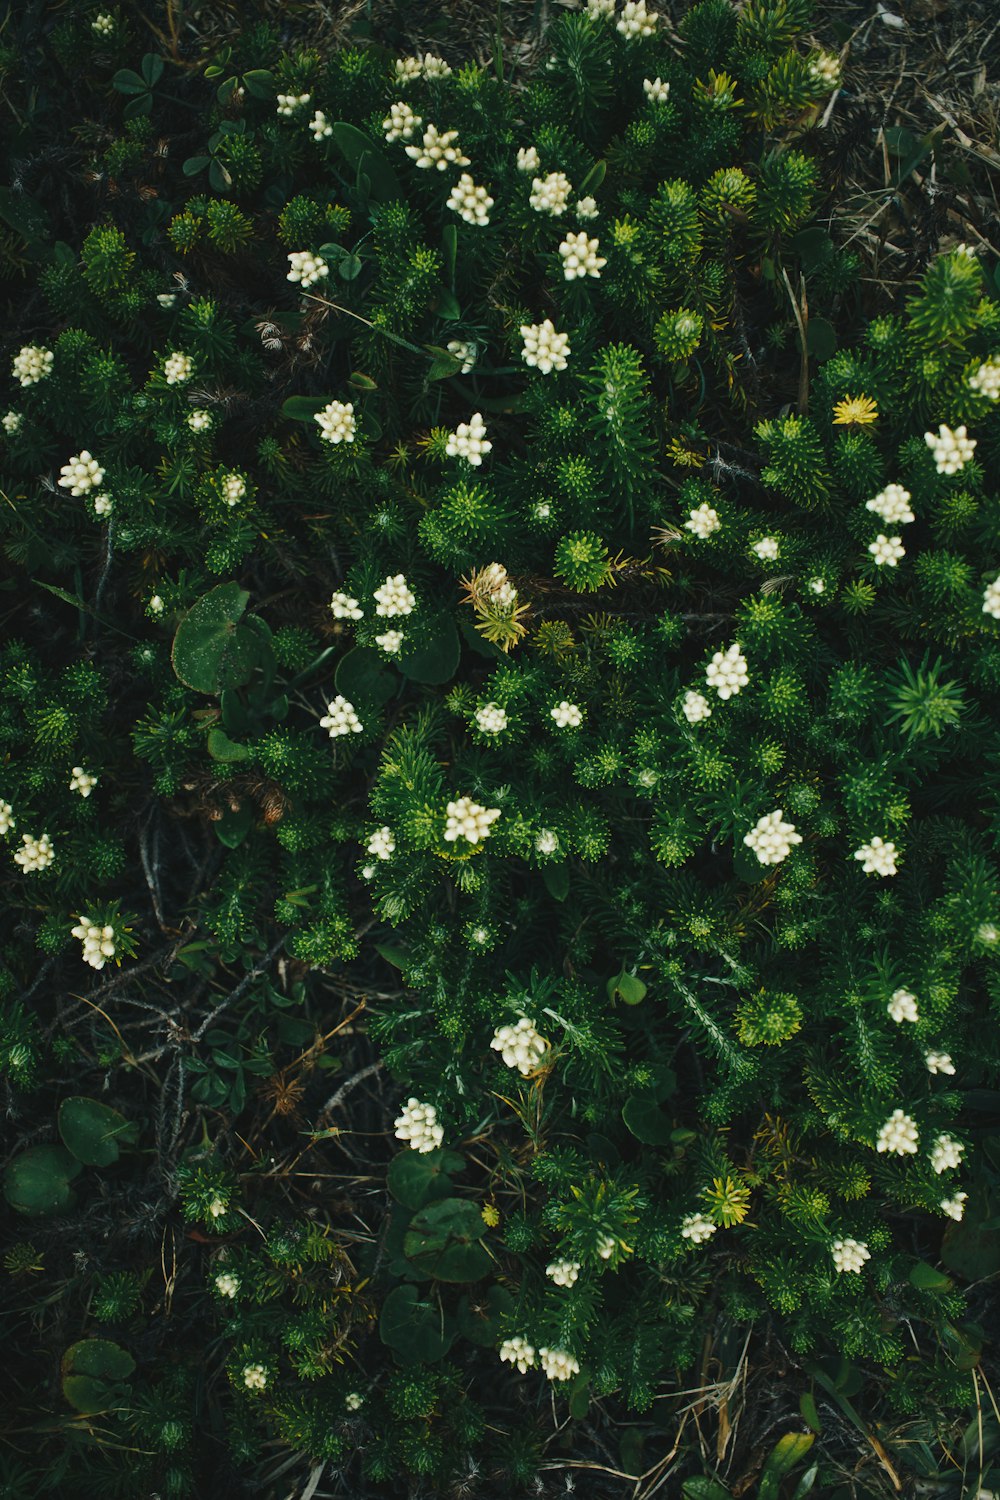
x=32, y=364
x=467, y=820
x=81, y=474
x=952, y=450
x=102, y=24
x=886, y=550
x=218, y=1207
x=771, y=840
x=418, y=1126
x=6, y=817
x=98, y=941
x=400, y=123
x=727, y=672
x=36, y=854
x=580, y=257
x=438, y=150
x=567, y=715
x=586, y=208
x=390, y=641
x=878, y=857
x=103, y=505
x=557, y=1364
x=946, y=1153
x=767, y=548
x=320, y=126
x=656, y=91
x=550, y=194
x=81, y=781
x=463, y=351
x=849, y=1255
x=491, y=718
x=634, y=20
x=528, y=159
x=697, y=1228
x=336, y=422
x=287, y=104
x=394, y=597
x=227, y=1284
x=382, y=843
x=898, y=1135
x=469, y=441
x=200, y=420
x=13, y=421
x=695, y=707
x=177, y=368
x=520, y=1046
x=893, y=505
x=472, y=202
x=544, y=349
x=340, y=718
x=234, y=487
x=255, y=1377
x=703, y=521
x=596, y=9
x=824, y=68
x=546, y=842
x=306, y=268
x=517, y=1351
x=563, y=1272
x=955, y=1207
x=986, y=380
x=817, y=586
x=354, y=1401
x=428, y=66
x=991, y=599
x=605, y=1246
x=345, y=608
x=939, y=1062
x=903, y=1007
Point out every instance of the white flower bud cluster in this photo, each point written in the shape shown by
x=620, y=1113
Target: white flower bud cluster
x=418, y=1126
x=893, y=505
x=255, y=1377
x=177, y=368
x=550, y=194
x=103, y=24
x=320, y=126
x=103, y=505
x=767, y=548
x=596, y=9
x=472, y=202
x=849, y=1255
x=227, y=1284
x=354, y=1401
x=817, y=586
x=36, y=854
x=567, y=715
x=939, y=1062
x=986, y=380
x=824, y=68
x=546, y=842
x=98, y=941
x=394, y=597
x=655, y=90
x=703, y=521
x=727, y=672
x=382, y=843
x=340, y=718
x=952, y=450
x=898, y=1135
x=13, y=421
x=946, y=1153
x=558, y=1365
x=438, y=150
x=234, y=487
x=466, y=352
x=491, y=718
x=467, y=820
x=696, y=707
x=390, y=641
x=771, y=840
x=345, y=608
x=544, y=349
x=167, y=300
x=528, y=159
x=81, y=474
x=635, y=21
x=520, y=1046
x=400, y=123
x=697, y=1228
x=81, y=781
x=428, y=66
x=306, y=268
x=580, y=257
x=954, y=1207
x=218, y=1207
x=6, y=817
x=469, y=441
x=878, y=857
x=517, y=1351
x=287, y=104
x=886, y=550
x=200, y=420
x=336, y=422
x=991, y=599
x=903, y=1007
x=563, y=1272
x=32, y=364
x=586, y=208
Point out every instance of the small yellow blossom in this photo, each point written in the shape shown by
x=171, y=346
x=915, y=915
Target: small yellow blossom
x=491, y=1215
x=855, y=411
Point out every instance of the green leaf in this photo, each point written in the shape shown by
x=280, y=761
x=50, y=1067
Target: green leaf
x=593, y=179
x=443, y=1240
x=303, y=408
x=813, y=246
x=480, y=1323
x=92, y=1371
x=362, y=678
x=443, y=365
x=127, y=81
x=927, y=1279
x=363, y=155
x=579, y=1396
x=222, y=748
x=194, y=165
x=416, y=1177
x=38, y=1181
x=437, y=661
x=646, y=1120
x=626, y=987
x=92, y=1130
x=806, y=1483
x=350, y=267
x=415, y=1329
x=260, y=83
x=25, y=215
x=361, y=382
x=219, y=177
x=786, y=1453
x=446, y=305
x=152, y=69
x=556, y=880
x=821, y=339
x=703, y=1488
x=971, y=1247
x=449, y=239
x=810, y=1411
x=211, y=649
x=233, y=827
x=400, y=958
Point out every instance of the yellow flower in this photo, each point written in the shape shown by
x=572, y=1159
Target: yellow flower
x=491, y=1215
x=855, y=411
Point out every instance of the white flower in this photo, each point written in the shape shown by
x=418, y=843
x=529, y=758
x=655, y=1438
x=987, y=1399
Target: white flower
x=580, y=257
x=517, y=1351
x=991, y=599
x=103, y=505
x=546, y=842
x=81, y=474
x=167, y=300
x=849, y=1255
x=544, y=349
x=550, y=195
x=566, y=715
x=98, y=941
x=878, y=856
x=340, y=718
x=563, y=1272
x=695, y=707
x=400, y=123
x=200, y=420
x=955, y=1207
x=599, y=8
x=817, y=586
x=102, y=24
x=893, y=505
x=218, y=1207
x=418, y=1125
x=390, y=641
x=394, y=597
x=81, y=781
x=605, y=1246
x=969, y=251
x=634, y=20
x=37, y=854
x=586, y=208
x=898, y=1135
x=435, y=67
x=491, y=718
x=354, y=1401
x=558, y=1365
x=345, y=608
x=986, y=380
x=468, y=441
x=703, y=521
x=407, y=69
x=13, y=421
x=438, y=150
x=824, y=68
x=541, y=510
x=527, y=159
x=368, y=872
x=177, y=368
x=939, y=1062
x=156, y=605
x=320, y=126
x=287, y=104
x=382, y=843
x=467, y=820
x=306, y=268
x=767, y=548
x=32, y=364
x=696, y=1228
x=255, y=1377
x=520, y=1046
x=466, y=352
x=946, y=1153
x=336, y=422
x=227, y=1284
x=472, y=202
x=6, y=817
x=727, y=672
x=988, y=932
x=656, y=90
x=903, y=1006
x=233, y=488
x=886, y=550
x=952, y=450
x=771, y=840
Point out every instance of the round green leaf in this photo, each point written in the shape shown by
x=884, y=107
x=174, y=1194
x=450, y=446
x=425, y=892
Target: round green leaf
x=92, y=1131
x=38, y=1181
x=438, y=660
x=415, y=1177
x=821, y=338
x=211, y=649
x=646, y=1120
x=362, y=678
x=413, y=1328
x=91, y=1374
x=443, y=1241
